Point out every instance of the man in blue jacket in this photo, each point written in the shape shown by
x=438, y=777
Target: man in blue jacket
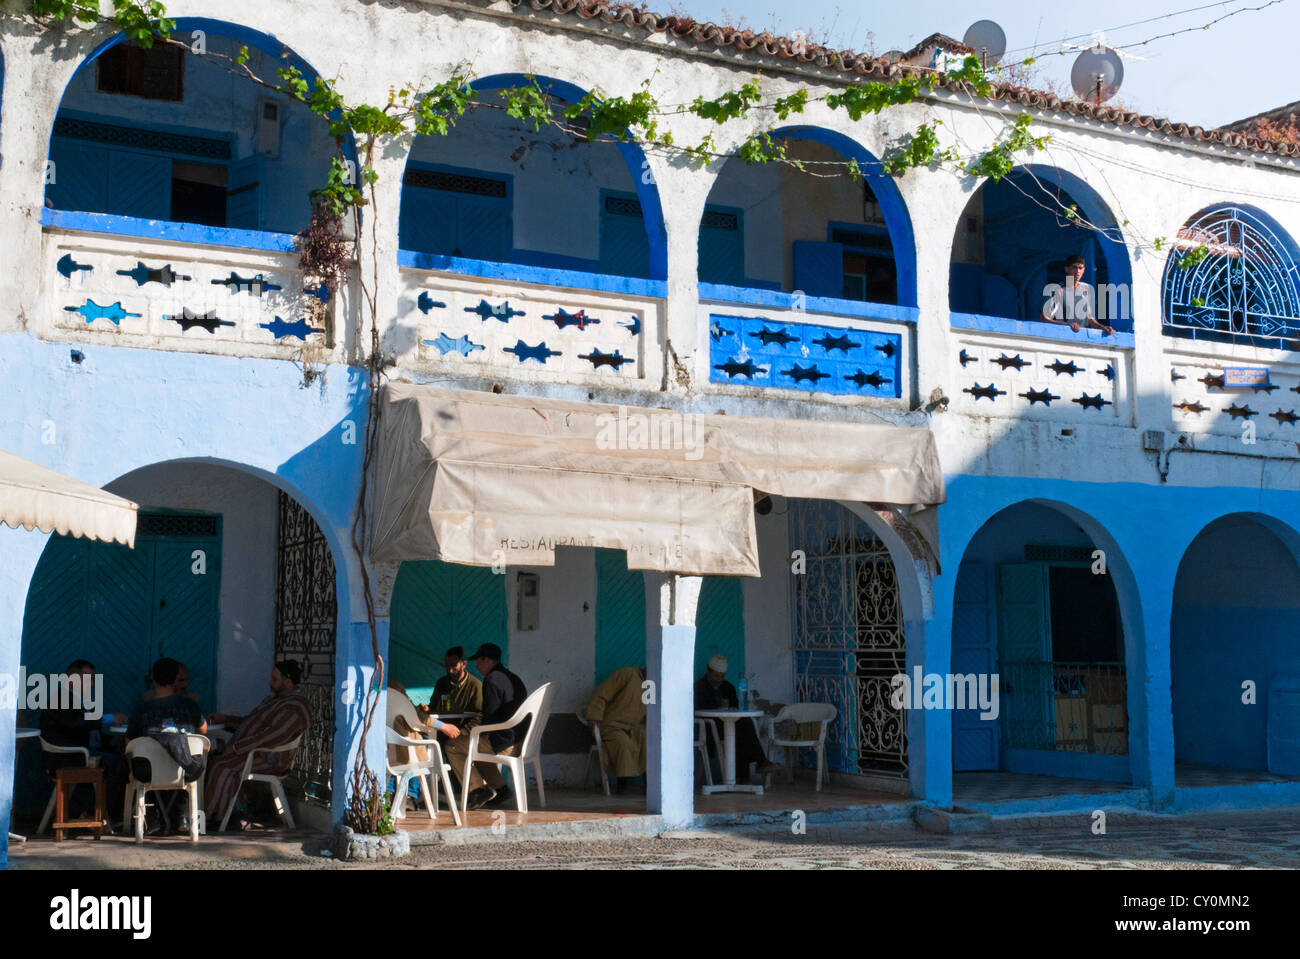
x=503, y=694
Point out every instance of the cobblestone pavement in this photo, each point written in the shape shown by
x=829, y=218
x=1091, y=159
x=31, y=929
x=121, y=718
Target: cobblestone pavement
x=1263, y=840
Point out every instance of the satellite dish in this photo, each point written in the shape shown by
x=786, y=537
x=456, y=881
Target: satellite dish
x=987, y=39
x=1097, y=74
x=892, y=56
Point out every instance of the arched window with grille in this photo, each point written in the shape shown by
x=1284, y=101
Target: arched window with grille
x=1233, y=275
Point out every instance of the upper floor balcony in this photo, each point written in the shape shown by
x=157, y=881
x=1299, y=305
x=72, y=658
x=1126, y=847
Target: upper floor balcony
x=174, y=197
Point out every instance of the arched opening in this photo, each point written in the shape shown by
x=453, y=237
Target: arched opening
x=1233, y=275
x=808, y=275
x=1036, y=606
x=230, y=574
x=775, y=227
x=1235, y=654
x=1013, y=239
x=848, y=638
x=493, y=190
x=172, y=134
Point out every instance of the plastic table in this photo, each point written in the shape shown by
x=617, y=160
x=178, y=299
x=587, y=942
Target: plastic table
x=729, y=719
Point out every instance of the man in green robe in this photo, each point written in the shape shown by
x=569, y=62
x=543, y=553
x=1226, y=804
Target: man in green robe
x=617, y=707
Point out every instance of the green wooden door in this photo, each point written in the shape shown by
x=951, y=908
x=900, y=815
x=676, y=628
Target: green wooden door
x=720, y=626
x=438, y=605
x=123, y=608
x=620, y=614
x=186, y=609
x=1024, y=655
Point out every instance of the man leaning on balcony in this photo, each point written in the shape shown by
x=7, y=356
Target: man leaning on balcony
x=1071, y=303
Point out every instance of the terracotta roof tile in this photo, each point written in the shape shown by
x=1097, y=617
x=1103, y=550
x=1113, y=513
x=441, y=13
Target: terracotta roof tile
x=862, y=65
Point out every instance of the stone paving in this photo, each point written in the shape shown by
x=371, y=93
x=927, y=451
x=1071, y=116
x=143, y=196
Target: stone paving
x=1263, y=840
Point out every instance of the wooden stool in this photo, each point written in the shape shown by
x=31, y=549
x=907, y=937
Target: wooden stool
x=67, y=779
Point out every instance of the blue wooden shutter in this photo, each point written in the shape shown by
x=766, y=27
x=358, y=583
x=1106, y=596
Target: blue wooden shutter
x=427, y=223
x=720, y=625
x=187, y=610
x=139, y=185
x=80, y=177
x=620, y=614
x=722, y=248
x=484, y=230
x=1024, y=639
x=624, y=246
x=974, y=650
x=245, y=193
x=819, y=268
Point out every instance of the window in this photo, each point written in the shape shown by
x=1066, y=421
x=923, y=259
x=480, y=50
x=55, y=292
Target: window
x=154, y=74
x=868, y=264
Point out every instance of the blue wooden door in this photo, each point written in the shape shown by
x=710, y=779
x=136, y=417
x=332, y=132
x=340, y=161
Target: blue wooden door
x=720, y=626
x=483, y=227
x=1024, y=655
x=438, y=605
x=245, y=193
x=974, y=650
x=620, y=614
x=819, y=268
x=139, y=184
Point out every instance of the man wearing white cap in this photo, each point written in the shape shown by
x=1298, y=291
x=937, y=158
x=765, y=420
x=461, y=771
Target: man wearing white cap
x=713, y=691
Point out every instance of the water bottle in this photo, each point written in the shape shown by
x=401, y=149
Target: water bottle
x=744, y=693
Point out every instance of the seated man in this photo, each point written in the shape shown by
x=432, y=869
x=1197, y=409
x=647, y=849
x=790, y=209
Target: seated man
x=70, y=727
x=179, y=688
x=617, y=707
x=456, y=692
x=712, y=691
x=1072, y=303
x=167, y=717
x=503, y=694
x=278, y=719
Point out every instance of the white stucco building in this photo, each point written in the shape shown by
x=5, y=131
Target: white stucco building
x=1116, y=533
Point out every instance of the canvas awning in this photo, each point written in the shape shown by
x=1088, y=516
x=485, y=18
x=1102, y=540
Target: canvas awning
x=482, y=479
x=35, y=497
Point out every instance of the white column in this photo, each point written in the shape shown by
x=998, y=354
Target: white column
x=670, y=716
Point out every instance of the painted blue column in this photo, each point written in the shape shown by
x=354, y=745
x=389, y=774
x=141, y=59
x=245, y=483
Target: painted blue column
x=1150, y=702
x=929, y=731
x=356, y=676
x=21, y=551
x=670, y=715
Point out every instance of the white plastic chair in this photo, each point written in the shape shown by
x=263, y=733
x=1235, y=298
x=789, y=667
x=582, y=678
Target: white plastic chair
x=802, y=713
x=415, y=768
x=537, y=705
x=597, y=752
x=704, y=731
x=276, y=783
x=49, y=747
x=165, y=774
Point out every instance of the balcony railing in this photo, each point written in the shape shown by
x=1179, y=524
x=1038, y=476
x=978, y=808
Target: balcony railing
x=525, y=323
x=1075, y=707
x=1041, y=371
x=189, y=294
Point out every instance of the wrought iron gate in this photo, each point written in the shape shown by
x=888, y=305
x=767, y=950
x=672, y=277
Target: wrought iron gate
x=306, y=612
x=848, y=638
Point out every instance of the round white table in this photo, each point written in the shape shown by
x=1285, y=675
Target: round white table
x=729, y=719
x=23, y=734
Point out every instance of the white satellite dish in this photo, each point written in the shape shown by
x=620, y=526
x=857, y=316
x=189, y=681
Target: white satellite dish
x=987, y=39
x=1097, y=74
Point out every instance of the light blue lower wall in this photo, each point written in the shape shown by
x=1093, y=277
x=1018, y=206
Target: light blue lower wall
x=1145, y=530
x=119, y=410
